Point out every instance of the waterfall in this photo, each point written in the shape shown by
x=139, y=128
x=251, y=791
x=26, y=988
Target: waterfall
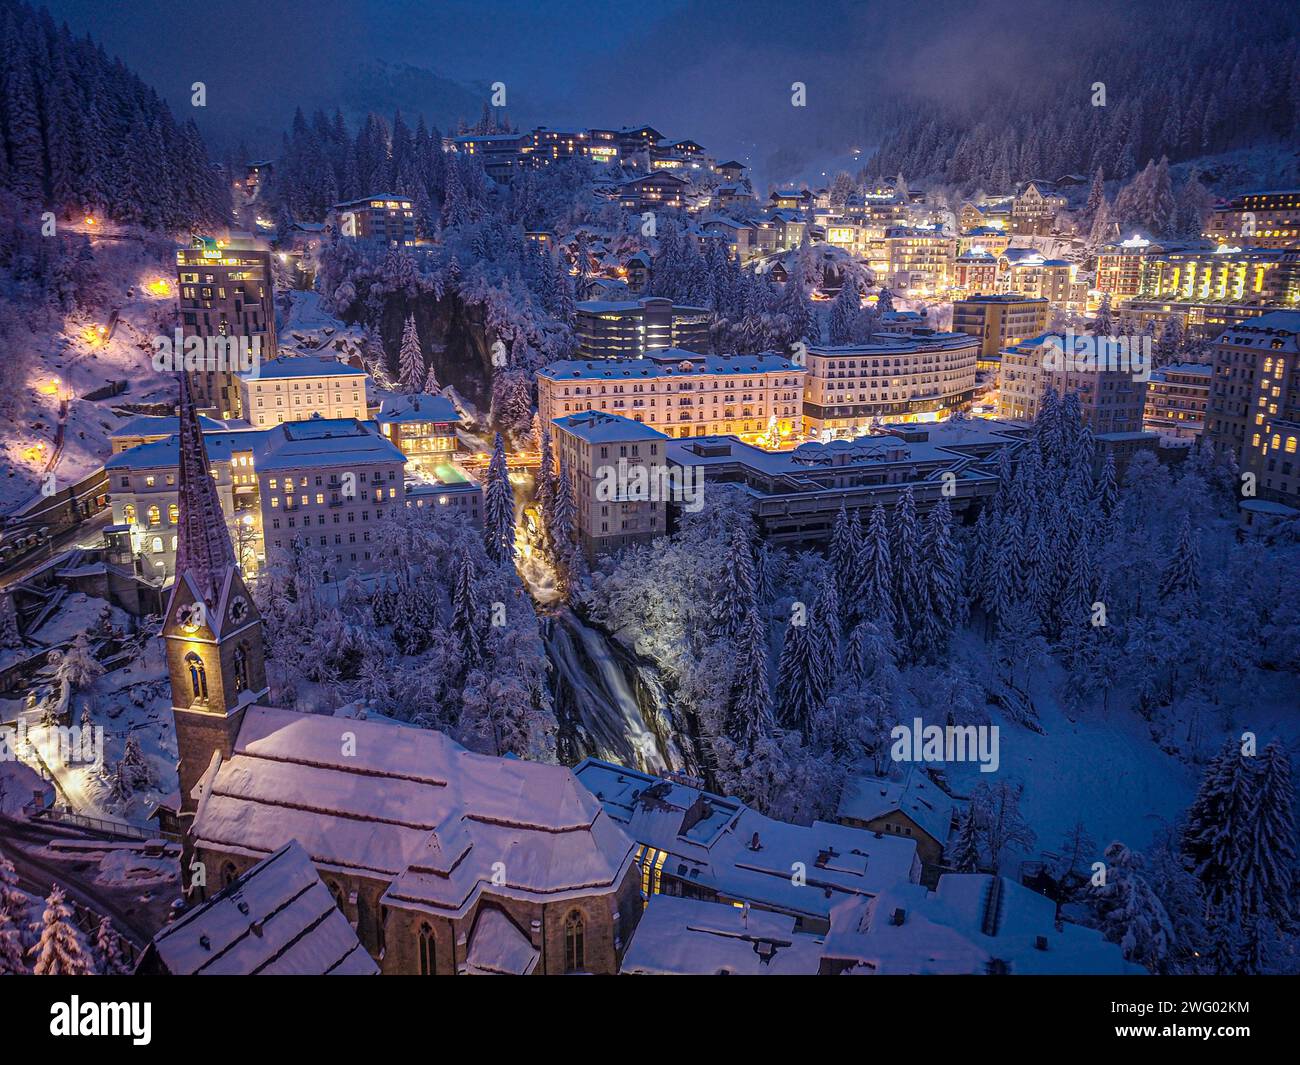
x=596, y=702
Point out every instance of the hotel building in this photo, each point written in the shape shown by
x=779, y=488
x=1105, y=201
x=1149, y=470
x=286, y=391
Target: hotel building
x=384, y=219
x=295, y=389
x=919, y=377
x=1255, y=400
x=680, y=393
x=603, y=454
x=1110, y=400
x=1259, y=220
x=1033, y=212
x=224, y=289
x=920, y=258
x=1178, y=396
x=630, y=329
x=1000, y=321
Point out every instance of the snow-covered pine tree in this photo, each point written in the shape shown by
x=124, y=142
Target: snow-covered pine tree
x=109, y=951
x=797, y=679
x=908, y=575
x=1180, y=581
x=1096, y=195
x=884, y=302
x=945, y=574
x=546, y=482
x=1103, y=325
x=466, y=627
x=410, y=360
x=11, y=947
x=59, y=951
x=751, y=699
x=844, y=313
x=498, y=507
x=1273, y=836
x=844, y=555
x=9, y=636
x=1219, y=831
x=12, y=900
x=431, y=385
x=737, y=595
x=1131, y=914
x=963, y=852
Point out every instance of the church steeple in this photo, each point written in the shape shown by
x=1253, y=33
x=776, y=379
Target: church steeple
x=203, y=542
x=215, y=648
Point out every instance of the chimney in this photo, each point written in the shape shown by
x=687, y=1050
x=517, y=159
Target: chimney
x=898, y=916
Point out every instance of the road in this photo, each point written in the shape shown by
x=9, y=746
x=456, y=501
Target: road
x=26, y=565
x=134, y=917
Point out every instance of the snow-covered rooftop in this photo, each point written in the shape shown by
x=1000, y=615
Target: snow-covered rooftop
x=410, y=807
x=278, y=919
x=417, y=408
x=303, y=366
x=596, y=426
x=866, y=797
x=968, y=924
x=666, y=362
x=688, y=937
x=727, y=847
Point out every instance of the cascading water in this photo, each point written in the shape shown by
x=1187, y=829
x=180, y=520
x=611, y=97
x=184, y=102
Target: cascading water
x=598, y=708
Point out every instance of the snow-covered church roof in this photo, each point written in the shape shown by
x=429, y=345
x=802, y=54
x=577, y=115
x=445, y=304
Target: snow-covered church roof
x=410, y=807
x=278, y=919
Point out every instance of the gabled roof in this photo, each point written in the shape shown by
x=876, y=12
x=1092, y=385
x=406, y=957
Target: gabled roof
x=409, y=807
x=278, y=919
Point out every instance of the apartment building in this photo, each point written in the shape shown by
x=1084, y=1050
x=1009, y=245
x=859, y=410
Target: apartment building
x=1178, y=396
x=1034, y=211
x=1029, y=272
x=1204, y=319
x=499, y=153
x=682, y=393
x=422, y=427
x=1119, y=266
x=384, y=219
x=650, y=192
x=295, y=389
x=1255, y=399
x=794, y=495
x=630, y=329
x=1000, y=321
x=618, y=474
x=920, y=258
x=323, y=484
x=1258, y=219
x=975, y=271
x=1111, y=401
x=224, y=289
x=1221, y=275
x=918, y=377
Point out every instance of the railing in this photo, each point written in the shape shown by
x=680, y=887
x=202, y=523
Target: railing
x=102, y=825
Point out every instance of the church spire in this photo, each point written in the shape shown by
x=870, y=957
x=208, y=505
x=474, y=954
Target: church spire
x=203, y=548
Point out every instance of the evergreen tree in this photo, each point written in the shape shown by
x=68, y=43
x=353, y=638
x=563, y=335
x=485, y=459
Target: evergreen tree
x=546, y=483
x=945, y=576
x=844, y=313
x=1273, y=836
x=410, y=360
x=908, y=576
x=844, y=556
x=751, y=700
x=963, y=854
x=1219, y=831
x=737, y=590
x=466, y=627
x=59, y=952
x=499, y=507
x=11, y=947
x=1181, y=579
x=1131, y=914
x=109, y=951
x=874, y=598
x=798, y=679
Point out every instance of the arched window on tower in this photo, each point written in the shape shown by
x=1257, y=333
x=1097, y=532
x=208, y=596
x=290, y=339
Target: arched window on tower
x=575, y=953
x=155, y=516
x=128, y=514
x=241, y=667
x=428, y=960
x=198, y=675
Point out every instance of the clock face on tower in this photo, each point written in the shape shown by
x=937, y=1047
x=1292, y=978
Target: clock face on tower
x=239, y=609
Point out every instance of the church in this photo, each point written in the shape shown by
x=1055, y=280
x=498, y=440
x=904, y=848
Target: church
x=444, y=861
